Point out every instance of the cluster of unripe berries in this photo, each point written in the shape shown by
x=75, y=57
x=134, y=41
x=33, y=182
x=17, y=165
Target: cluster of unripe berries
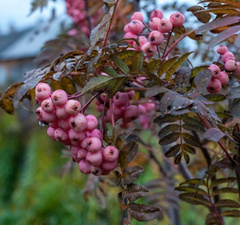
x=77, y=10
x=220, y=75
x=71, y=127
x=157, y=27
x=123, y=109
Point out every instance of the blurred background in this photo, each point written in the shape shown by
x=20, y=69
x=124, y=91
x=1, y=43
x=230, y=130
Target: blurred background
x=39, y=184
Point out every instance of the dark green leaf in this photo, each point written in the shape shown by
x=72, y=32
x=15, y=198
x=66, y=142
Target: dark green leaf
x=120, y=63
x=222, y=181
x=211, y=219
x=228, y=190
x=176, y=65
x=189, y=149
x=137, y=62
x=198, y=69
x=195, y=182
x=167, y=129
x=179, y=30
x=127, y=153
x=131, y=174
x=168, y=118
x=195, y=199
x=135, y=191
x=178, y=158
x=214, y=134
x=142, y=212
x=110, y=71
x=173, y=151
x=111, y=85
x=202, y=17
x=195, y=190
x=164, y=67
x=215, y=97
x=191, y=127
x=227, y=203
x=170, y=138
x=188, y=138
x=232, y=213
x=186, y=157
x=152, y=66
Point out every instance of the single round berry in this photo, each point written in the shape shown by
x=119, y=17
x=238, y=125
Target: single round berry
x=154, y=23
x=42, y=91
x=96, y=170
x=121, y=99
x=223, y=78
x=59, y=97
x=60, y=135
x=84, y=143
x=156, y=13
x=110, y=153
x=50, y=132
x=137, y=16
x=95, y=133
x=130, y=35
x=61, y=113
x=64, y=124
x=72, y=107
x=131, y=113
x=222, y=49
x=228, y=56
x=81, y=154
x=95, y=158
x=214, y=86
x=109, y=165
x=78, y=122
x=47, y=105
x=131, y=94
x=177, y=19
x=92, y=122
x=48, y=117
x=76, y=137
x=126, y=29
x=165, y=26
x=94, y=144
x=215, y=70
x=230, y=65
x=135, y=26
x=155, y=37
x=149, y=49
x=84, y=166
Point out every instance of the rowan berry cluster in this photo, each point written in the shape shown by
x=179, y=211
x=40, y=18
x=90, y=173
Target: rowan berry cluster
x=71, y=127
x=77, y=10
x=157, y=26
x=220, y=75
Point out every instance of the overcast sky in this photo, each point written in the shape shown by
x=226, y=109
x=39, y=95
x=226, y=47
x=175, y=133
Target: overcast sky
x=17, y=12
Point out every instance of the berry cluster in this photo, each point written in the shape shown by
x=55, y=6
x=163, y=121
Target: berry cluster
x=121, y=108
x=77, y=10
x=71, y=127
x=220, y=75
x=146, y=111
x=157, y=27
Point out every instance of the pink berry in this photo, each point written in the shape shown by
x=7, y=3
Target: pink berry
x=92, y=122
x=214, y=86
x=50, y=132
x=76, y=137
x=142, y=109
x=142, y=40
x=121, y=99
x=81, y=154
x=230, y=65
x=131, y=94
x=222, y=49
x=144, y=121
x=42, y=91
x=126, y=29
x=95, y=158
x=177, y=19
x=223, y=77
x=130, y=35
x=96, y=170
x=137, y=16
x=47, y=105
x=60, y=135
x=155, y=37
x=154, y=23
x=226, y=56
x=61, y=113
x=165, y=26
x=72, y=107
x=156, y=13
x=74, y=150
x=215, y=70
x=78, y=122
x=59, y=97
x=84, y=166
x=110, y=153
x=136, y=26
x=94, y=144
x=237, y=70
x=64, y=124
x=149, y=49
x=54, y=124
x=131, y=113
x=149, y=106
x=109, y=165
x=84, y=143
x=95, y=133
x=48, y=117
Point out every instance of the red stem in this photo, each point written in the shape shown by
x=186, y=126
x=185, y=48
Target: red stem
x=88, y=102
x=168, y=39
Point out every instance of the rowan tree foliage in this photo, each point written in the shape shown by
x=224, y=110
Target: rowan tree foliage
x=134, y=72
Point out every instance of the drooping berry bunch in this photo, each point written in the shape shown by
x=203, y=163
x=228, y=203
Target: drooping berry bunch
x=121, y=108
x=77, y=10
x=157, y=27
x=71, y=127
x=220, y=75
